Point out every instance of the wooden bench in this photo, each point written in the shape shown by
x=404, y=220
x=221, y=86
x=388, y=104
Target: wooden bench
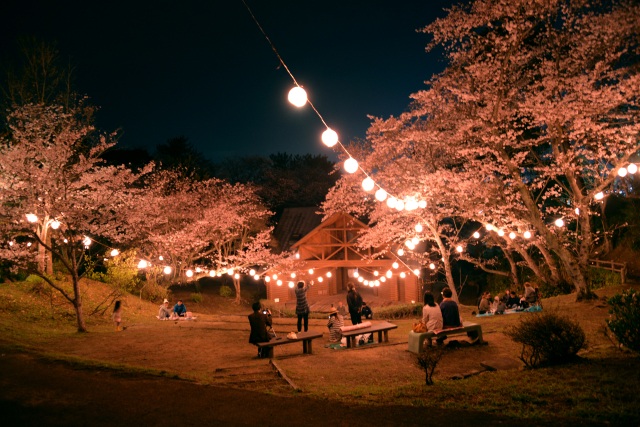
x=416, y=340
x=305, y=337
x=381, y=328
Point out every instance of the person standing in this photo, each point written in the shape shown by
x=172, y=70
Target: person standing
x=117, y=316
x=354, y=302
x=302, y=306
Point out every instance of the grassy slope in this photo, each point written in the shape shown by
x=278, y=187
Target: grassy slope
x=604, y=386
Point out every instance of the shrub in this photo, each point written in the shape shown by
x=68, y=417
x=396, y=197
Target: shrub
x=196, y=297
x=551, y=290
x=428, y=360
x=226, y=291
x=625, y=319
x=547, y=338
x=600, y=278
x=401, y=311
x=151, y=291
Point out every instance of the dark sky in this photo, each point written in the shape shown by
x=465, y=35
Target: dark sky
x=203, y=70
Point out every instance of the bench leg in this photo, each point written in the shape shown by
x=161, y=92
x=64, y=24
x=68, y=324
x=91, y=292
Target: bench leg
x=305, y=345
x=309, y=347
x=386, y=336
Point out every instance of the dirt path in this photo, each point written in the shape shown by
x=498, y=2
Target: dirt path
x=39, y=392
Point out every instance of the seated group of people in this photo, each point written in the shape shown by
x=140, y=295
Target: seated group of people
x=165, y=312
x=442, y=316
x=510, y=300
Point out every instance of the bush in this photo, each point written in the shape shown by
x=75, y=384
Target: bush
x=196, y=297
x=547, y=338
x=550, y=290
x=428, y=360
x=226, y=291
x=600, y=278
x=626, y=323
x=151, y=291
x=402, y=311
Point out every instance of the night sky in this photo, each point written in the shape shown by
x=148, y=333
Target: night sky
x=203, y=70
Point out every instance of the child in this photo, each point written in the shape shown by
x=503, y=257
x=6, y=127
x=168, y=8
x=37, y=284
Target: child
x=117, y=316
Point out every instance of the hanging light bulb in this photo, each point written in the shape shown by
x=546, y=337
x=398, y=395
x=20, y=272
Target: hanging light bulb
x=279, y=282
x=415, y=240
x=399, y=205
x=161, y=258
x=419, y=228
x=395, y=265
x=329, y=274
x=632, y=168
x=417, y=272
x=410, y=204
x=383, y=279
x=476, y=235
x=368, y=184
x=381, y=195
x=114, y=252
x=577, y=211
x=252, y=272
x=212, y=273
x=432, y=266
x=166, y=270
x=236, y=276
x=267, y=279
x=489, y=227
x=351, y=165
x=377, y=283
x=622, y=172
x=501, y=232
x=256, y=277
x=360, y=279
x=422, y=204
x=391, y=202
x=599, y=196
x=410, y=245
x=356, y=274
x=389, y=273
x=189, y=273
x=293, y=275
x=291, y=285
x=311, y=271
x=559, y=222
x=55, y=224
x=274, y=276
x=459, y=248
x=32, y=217
x=86, y=241
x=375, y=273
x=329, y=137
x=512, y=235
x=527, y=234
x=403, y=275
x=297, y=96
x=320, y=279
x=400, y=252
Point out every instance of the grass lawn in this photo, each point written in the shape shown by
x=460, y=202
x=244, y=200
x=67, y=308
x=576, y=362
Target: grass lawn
x=603, y=385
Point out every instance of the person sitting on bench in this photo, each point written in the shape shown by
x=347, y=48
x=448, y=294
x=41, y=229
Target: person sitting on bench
x=259, y=320
x=450, y=313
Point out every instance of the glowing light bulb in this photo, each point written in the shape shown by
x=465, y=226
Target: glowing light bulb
x=236, y=276
x=55, y=224
x=86, y=241
x=114, y=252
x=212, y=273
x=311, y=271
x=32, y=217
x=432, y=266
x=351, y=165
x=29, y=244
x=329, y=138
x=476, y=235
x=415, y=240
x=252, y=272
x=293, y=275
x=410, y=245
x=377, y=283
x=527, y=234
x=500, y=232
x=329, y=274
x=267, y=279
x=410, y=204
x=291, y=285
x=391, y=202
x=403, y=275
x=632, y=168
x=375, y=273
x=368, y=184
x=256, y=277
x=419, y=228
x=360, y=279
x=622, y=172
x=356, y=274
x=559, y=222
x=577, y=211
x=400, y=252
x=279, y=282
x=383, y=279
x=166, y=270
x=389, y=273
x=161, y=258
x=274, y=276
x=459, y=248
x=189, y=273
x=599, y=196
x=512, y=235
x=381, y=195
x=395, y=265
x=416, y=272
x=297, y=96
x=320, y=279
x=422, y=204
x=399, y=205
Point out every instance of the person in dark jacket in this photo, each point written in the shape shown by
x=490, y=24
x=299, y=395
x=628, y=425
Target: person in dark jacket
x=259, y=322
x=302, y=305
x=365, y=311
x=179, y=310
x=354, y=302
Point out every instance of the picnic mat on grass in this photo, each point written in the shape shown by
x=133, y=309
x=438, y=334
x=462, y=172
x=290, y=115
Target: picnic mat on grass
x=532, y=309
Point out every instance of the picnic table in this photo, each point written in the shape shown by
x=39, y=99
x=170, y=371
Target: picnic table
x=305, y=337
x=381, y=328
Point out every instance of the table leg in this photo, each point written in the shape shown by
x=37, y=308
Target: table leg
x=305, y=346
x=309, y=349
x=380, y=337
x=386, y=336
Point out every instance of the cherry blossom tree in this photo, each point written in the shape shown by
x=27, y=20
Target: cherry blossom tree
x=533, y=117
x=210, y=225
x=56, y=198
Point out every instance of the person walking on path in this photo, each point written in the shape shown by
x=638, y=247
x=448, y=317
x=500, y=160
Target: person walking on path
x=354, y=301
x=302, y=306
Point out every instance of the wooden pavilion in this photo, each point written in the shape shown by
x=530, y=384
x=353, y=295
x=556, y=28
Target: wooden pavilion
x=329, y=257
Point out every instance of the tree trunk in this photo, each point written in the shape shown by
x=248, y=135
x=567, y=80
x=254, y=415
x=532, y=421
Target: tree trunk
x=444, y=252
x=77, y=303
x=513, y=267
x=236, y=285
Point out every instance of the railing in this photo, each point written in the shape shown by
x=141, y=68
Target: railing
x=616, y=267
